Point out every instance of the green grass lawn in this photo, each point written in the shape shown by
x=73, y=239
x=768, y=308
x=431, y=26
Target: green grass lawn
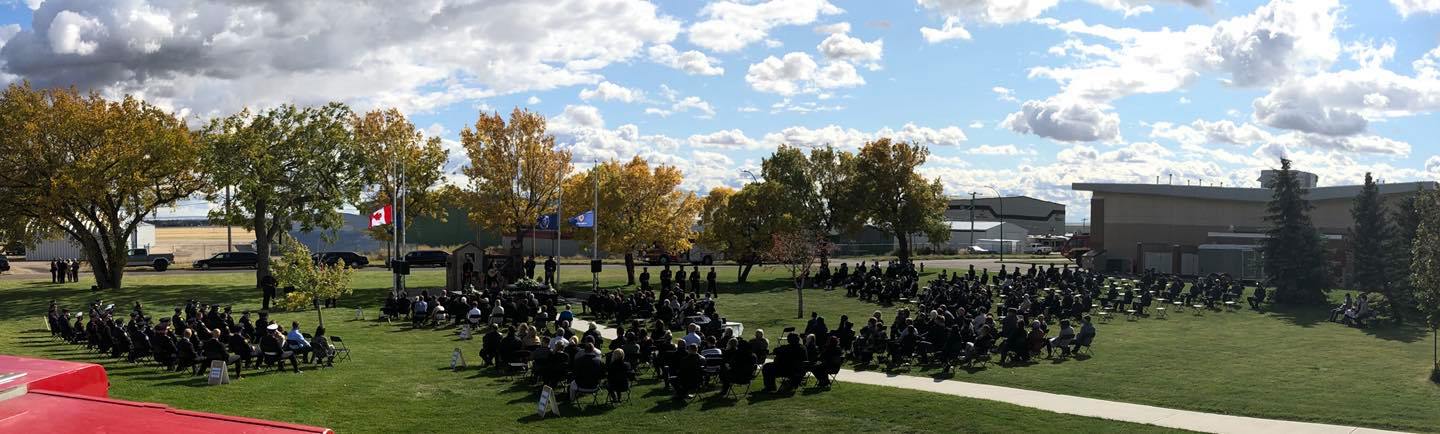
x=1286, y=363
x=399, y=379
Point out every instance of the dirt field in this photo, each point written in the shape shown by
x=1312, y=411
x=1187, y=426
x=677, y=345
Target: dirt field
x=191, y=243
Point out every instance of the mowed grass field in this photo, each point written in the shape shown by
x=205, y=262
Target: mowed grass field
x=1283, y=363
x=399, y=379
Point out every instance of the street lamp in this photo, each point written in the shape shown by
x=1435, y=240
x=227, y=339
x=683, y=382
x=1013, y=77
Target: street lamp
x=1001, y=198
x=752, y=175
x=972, y=219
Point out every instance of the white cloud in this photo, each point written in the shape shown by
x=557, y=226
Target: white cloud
x=1012, y=11
x=850, y=138
x=578, y=116
x=657, y=112
x=1369, y=56
x=1007, y=150
x=1344, y=102
x=1278, y=41
x=975, y=125
x=1004, y=94
x=724, y=139
x=607, y=91
x=532, y=100
x=1065, y=120
x=1432, y=165
x=73, y=33
x=1183, y=100
x=798, y=73
x=840, y=27
x=692, y=62
x=732, y=25
x=215, y=56
x=694, y=103
x=843, y=47
x=952, y=29
x=1406, y=8
x=1428, y=66
x=1202, y=132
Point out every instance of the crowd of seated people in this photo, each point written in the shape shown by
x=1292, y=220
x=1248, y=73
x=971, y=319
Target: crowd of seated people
x=190, y=338
x=473, y=307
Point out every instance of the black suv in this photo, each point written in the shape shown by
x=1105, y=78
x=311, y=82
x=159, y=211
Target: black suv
x=427, y=258
x=350, y=259
x=229, y=260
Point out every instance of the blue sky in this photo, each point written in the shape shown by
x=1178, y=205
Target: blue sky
x=1027, y=96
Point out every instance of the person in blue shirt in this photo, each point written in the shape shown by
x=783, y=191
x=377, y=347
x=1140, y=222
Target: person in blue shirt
x=295, y=341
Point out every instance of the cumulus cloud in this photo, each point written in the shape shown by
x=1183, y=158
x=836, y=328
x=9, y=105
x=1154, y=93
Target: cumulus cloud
x=846, y=48
x=731, y=25
x=840, y=27
x=850, y=138
x=692, y=62
x=1012, y=11
x=952, y=29
x=214, y=56
x=1008, y=150
x=1343, y=103
x=578, y=117
x=724, y=139
x=1065, y=120
x=1004, y=94
x=1202, y=132
x=607, y=91
x=797, y=73
x=694, y=103
x=1406, y=8
x=1278, y=41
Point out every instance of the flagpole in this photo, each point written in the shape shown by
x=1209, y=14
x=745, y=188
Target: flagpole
x=559, y=224
x=394, y=230
x=595, y=226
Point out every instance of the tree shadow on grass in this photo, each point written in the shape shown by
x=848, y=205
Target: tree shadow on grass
x=1303, y=316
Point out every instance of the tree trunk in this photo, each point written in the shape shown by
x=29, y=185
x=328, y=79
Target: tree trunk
x=904, y=242
x=319, y=315
x=262, y=242
x=800, y=297
x=745, y=272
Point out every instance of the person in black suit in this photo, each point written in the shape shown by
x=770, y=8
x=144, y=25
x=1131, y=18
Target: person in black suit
x=790, y=362
x=689, y=368
x=665, y=278
x=695, y=279
x=214, y=349
x=530, y=267
x=54, y=271
x=74, y=270
x=645, y=279
x=267, y=288
x=550, y=267
x=710, y=283
x=589, y=371
x=617, y=375
x=185, y=355
x=680, y=278
x=63, y=267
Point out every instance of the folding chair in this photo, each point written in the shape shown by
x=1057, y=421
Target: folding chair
x=337, y=346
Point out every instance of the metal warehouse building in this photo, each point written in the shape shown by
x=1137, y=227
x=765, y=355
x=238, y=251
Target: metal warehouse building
x=1038, y=217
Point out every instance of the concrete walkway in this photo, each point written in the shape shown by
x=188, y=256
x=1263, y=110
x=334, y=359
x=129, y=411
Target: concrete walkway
x=1079, y=406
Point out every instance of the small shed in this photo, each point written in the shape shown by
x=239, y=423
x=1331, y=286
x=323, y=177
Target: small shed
x=466, y=266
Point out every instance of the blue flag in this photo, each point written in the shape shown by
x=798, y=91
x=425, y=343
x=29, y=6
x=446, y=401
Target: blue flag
x=586, y=220
x=548, y=222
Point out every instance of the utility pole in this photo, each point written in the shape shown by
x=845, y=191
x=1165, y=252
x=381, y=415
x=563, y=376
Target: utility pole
x=229, y=238
x=1003, y=245
x=972, y=219
x=595, y=226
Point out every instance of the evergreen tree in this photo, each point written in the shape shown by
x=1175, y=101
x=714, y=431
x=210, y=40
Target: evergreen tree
x=1406, y=223
x=1294, y=257
x=1367, y=240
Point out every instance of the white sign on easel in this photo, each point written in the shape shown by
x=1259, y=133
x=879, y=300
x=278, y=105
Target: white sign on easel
x=465, y=332
x=219, y=373
x=547, y=403
x=457, y=360
x=359, y=314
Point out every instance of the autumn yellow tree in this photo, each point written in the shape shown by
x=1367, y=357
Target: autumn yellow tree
x=90, y=169
x=894, y=197
x=640, y=206
x=391, y=146
x=515, y=170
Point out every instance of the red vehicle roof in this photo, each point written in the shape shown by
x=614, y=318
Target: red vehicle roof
x=46, y=411
x=65, y=397
x=87, y=379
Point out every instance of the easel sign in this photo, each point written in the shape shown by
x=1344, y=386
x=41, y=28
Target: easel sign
x=219, y=373
x=465, y=332
x=457, y=360
x=547, y=403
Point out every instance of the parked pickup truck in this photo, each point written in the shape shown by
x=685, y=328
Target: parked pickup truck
x=143, y=258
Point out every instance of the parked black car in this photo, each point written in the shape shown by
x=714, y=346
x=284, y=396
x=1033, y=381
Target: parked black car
x=229, y=260
x=350, y=259
x=4, y=264
x=427, y=258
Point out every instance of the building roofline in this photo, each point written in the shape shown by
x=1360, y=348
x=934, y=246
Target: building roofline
x=966, y=199
x=1242, y=193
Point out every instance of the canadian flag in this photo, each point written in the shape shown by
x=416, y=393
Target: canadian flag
x=382, y=216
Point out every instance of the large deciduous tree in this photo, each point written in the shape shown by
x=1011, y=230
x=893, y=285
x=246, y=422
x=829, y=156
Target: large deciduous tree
x=640, y=207
x=816, y=188
x=1294, y=257
x=288, y=166
x=738, y=224
x=91, y=169
x=1425, y=269
x=515, y=170
x=392, y=146
x=894, y=197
